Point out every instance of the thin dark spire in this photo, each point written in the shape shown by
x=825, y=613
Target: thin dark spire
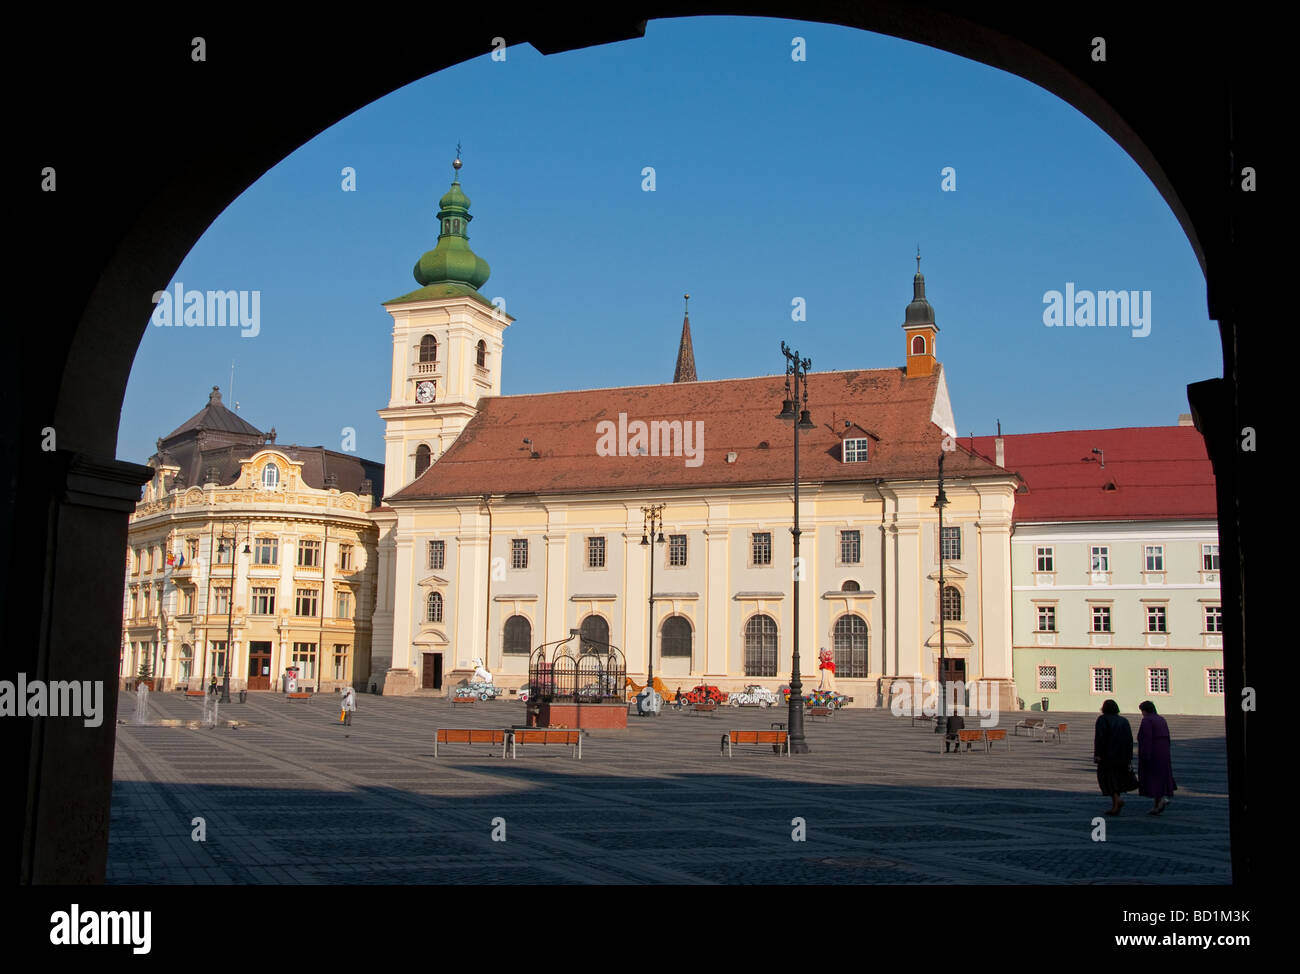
x=685, y=371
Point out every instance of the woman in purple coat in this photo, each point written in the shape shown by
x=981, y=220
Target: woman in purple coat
x=1155, y=767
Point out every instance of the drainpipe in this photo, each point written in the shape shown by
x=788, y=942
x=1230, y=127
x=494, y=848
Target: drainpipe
x=487, y=598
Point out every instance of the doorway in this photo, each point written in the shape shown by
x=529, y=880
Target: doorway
x=432, y=672
x=259, y=666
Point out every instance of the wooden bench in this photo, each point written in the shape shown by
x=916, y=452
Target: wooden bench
x=468, y=735
x=456, y=700
x=705, y=708
x=997, y=734
x=778, y=740
x=525, y=736
x=967, y=737
x=299, y=695
x=1030, y=724
x=196, y=693
x=825, y=712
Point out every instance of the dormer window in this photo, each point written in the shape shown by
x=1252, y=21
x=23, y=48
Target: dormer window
x=482, y=355
x=855, y=451
x=428, y=349
x=270, y=476
x=918, y=344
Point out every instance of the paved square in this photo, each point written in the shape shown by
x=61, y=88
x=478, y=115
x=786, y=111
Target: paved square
x=293, y=796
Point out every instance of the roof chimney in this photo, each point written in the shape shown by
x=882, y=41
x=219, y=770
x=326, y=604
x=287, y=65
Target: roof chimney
x=998, y=453
x=1185, y=419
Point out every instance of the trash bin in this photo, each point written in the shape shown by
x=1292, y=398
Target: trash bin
x=291, y=679
x=1044, y=705
x=243, y=696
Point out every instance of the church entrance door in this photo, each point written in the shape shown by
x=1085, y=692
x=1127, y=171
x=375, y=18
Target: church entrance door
x=432, y=671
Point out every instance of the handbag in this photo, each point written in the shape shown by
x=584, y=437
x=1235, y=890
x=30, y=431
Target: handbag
x=1130, y=780
x=342, y=716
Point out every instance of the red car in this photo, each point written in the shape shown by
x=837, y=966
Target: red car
x=703, y=694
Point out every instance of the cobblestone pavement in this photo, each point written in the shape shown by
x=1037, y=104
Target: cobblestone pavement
x=293, y=796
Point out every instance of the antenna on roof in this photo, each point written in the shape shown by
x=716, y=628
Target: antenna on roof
x=1102, y=454
x=999, y=427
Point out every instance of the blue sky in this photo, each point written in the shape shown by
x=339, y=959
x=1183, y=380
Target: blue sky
x=775, y=179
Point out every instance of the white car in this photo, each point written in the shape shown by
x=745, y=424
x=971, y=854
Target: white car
x=753, y=696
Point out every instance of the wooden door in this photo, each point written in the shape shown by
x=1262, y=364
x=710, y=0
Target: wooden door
x=259, y=666
x=432, y=671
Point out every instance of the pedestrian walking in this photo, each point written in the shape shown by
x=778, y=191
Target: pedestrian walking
x=1112, y=752
x=1155, y=767
x=955, y=723
x=349, y=705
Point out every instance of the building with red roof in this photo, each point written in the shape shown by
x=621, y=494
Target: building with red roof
x=1115, y=563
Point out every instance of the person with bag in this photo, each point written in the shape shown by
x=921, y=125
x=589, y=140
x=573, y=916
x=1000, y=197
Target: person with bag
x=1155, y=767
x=349, y=705
x=1112, y=752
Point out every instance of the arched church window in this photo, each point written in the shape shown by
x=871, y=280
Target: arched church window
x=918, y=345
x=482, y=355
x=428, y=349
x=595, y=635
x=423, y=457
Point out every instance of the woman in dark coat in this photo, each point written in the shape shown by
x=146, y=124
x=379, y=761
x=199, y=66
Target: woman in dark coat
x=1155, y=767
x=1112, y=752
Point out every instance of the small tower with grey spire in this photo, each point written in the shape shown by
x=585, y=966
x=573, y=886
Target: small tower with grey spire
x=685, y=371
x=919, y=328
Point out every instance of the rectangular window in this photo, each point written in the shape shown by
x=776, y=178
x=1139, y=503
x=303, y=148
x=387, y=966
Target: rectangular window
x=855, y=451
x=217, y=659
x=1209, y=557
x=438, y=555
x=340, y=661
x=304, y=657
x=1214, y=618
x=1046, y=558
x=187, y=601
x=225, y=551
x=761, y=544
x=1158, y=680
x=191, y=549
x=343, y=605
x=304, y=603
x=595, y=552
x=1103, y=679
x=185, y=663
x=1100, y=558
x=135, y=604
x=950, y=543
x=1156, y=618
x=519, y=553
x=1047, y=618
x=1214, y=682
x=267, y=551
x=1155, y=557
x=1047, y=678
x=345, y=557
x=308, y=554
x=1101, y=618
x=850, y=547
x=263, y=601
x=221, y=600
x=137, y=561
x=677, y=550
x=145, y=598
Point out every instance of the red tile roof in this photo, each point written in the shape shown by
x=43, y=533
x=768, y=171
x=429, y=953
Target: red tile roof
x=738, y=416
x=1160, y=473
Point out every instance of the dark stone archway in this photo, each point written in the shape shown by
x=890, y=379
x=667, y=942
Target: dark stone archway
x=149, y=147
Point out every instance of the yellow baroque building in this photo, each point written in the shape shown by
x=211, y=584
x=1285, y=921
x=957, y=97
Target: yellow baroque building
x=246, y=551
x=509, y=521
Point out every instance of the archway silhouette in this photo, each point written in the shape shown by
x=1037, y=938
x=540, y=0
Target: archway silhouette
x=136, y=190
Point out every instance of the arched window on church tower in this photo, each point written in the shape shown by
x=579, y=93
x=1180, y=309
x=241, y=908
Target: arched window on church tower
x=918, y=344
x=428, y=349
x=423, y=457
x=482, y=355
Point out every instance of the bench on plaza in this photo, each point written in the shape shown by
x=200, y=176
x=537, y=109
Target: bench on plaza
x=457, y=700
x=527, y=736
x=778, y=740
x=825, y=712
x=299, y=695
x=997, y=734
x=470, y=735
x=1030, y=724
x=967, y=737
x=195, y=693
x=1057, y=731
x=705, y=708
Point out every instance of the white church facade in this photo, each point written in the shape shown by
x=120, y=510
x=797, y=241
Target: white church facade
x=510, y=521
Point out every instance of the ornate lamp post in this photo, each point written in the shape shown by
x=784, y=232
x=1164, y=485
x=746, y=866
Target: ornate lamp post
x=939, y=502
x=652, y=519
x=230, y=605
x=796, y=369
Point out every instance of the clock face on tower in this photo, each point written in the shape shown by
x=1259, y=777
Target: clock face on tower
x=424, y=391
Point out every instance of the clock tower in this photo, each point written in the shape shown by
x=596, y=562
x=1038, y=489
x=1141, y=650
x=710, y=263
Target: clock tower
x=447, y=343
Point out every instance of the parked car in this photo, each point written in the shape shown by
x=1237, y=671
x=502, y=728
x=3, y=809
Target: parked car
x=702, y=694
x=753, y=696
x=476, y=688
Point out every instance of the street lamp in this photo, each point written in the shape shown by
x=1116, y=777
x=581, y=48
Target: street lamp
x=940, y=502
x=796, y=368
x=230, y=605
x=652, y=519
